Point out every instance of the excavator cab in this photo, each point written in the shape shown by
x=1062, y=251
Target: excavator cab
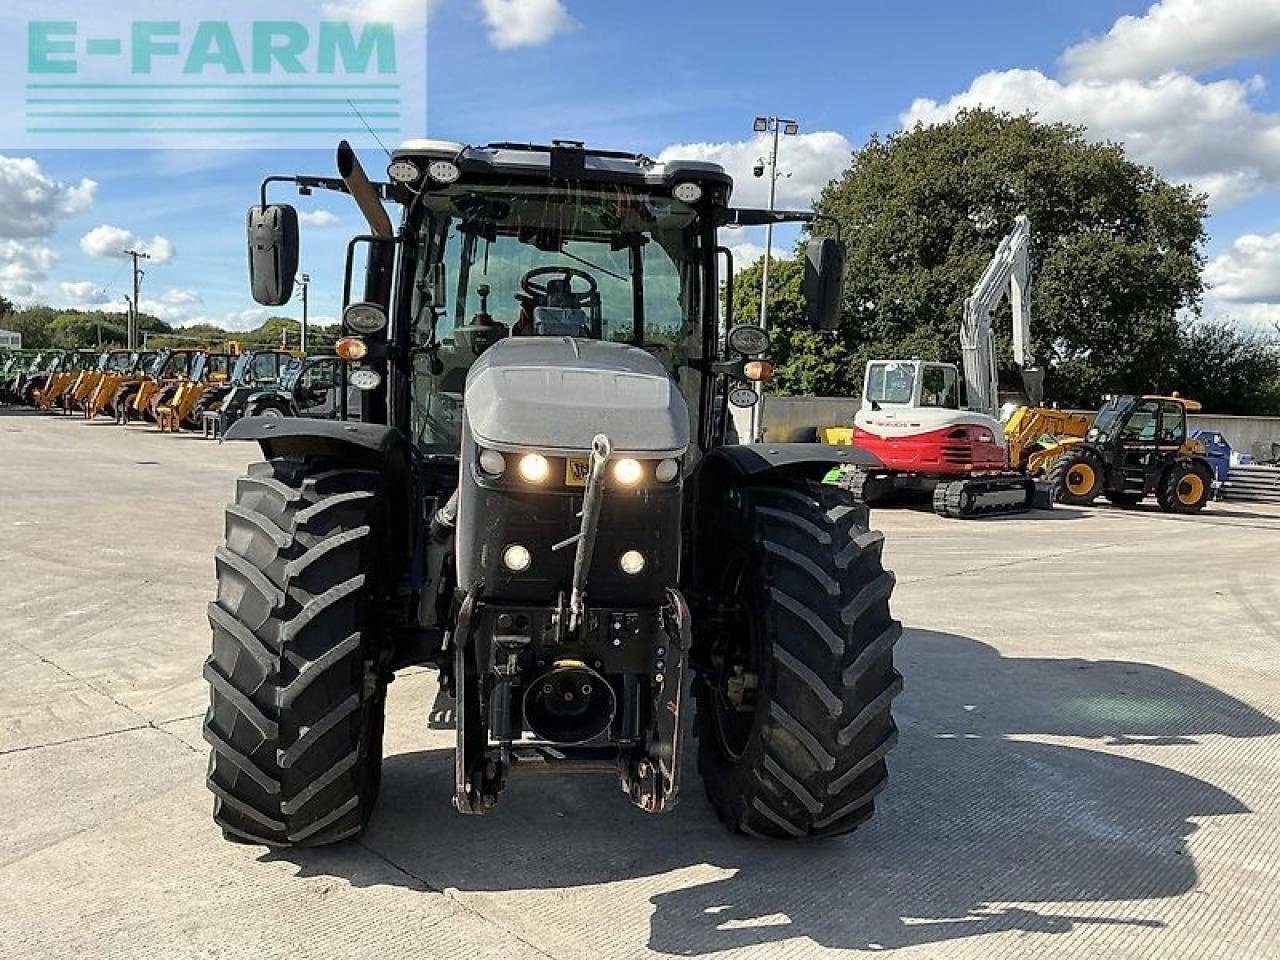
x=1137, y=447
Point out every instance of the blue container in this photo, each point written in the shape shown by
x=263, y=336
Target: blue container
x=1217, y=451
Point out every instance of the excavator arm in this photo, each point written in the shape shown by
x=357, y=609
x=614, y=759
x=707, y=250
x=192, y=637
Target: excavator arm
x=1008, y=274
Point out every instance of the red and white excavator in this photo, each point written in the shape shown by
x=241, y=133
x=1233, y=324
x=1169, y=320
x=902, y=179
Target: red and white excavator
x=932, y=431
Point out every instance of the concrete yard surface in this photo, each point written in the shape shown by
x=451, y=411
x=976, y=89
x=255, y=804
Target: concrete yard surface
x=1089, y=763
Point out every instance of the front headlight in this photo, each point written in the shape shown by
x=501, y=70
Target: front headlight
x=534, y=468
x=628, y=472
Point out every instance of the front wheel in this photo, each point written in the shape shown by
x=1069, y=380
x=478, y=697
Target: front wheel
x=1076, y=478
x=794, y=722
x=297, y=674
x=1185, y=488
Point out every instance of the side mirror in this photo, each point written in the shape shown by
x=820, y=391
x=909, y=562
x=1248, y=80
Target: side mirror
x=823, y=285
x=273, y=253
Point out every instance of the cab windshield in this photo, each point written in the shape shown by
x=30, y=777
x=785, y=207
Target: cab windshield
x=891, y=383
x=1108, y=418
x=524, y=260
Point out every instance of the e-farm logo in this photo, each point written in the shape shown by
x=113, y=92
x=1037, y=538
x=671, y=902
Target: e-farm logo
x=101, y=81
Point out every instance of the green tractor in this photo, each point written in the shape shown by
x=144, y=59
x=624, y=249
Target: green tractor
x=538, y=501
x=1136, y=447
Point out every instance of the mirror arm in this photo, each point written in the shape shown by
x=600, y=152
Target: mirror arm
x=306, y=184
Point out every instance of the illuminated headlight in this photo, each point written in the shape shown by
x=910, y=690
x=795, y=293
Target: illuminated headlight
x=444, y=171
x=366, y=378
x=365, y=317
x=534, y=468
x=493, y=463
x=517, y=558
x=666, y=471
x=631, y=563
x=628, y=472
x=404, y=171
x=687, y=192
x=749, y=340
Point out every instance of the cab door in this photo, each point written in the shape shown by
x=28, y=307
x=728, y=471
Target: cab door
x=1139, y=445
x=1170, y=439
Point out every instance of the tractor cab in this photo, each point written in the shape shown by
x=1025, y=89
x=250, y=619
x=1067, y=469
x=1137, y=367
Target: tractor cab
x=1137, y=446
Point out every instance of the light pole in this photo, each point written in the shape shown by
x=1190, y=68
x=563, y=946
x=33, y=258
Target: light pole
x=779, y=128
x=138, y=274
x=305, y=280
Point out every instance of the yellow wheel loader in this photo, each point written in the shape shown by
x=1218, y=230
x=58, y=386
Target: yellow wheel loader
x=113, y=381
x=174, y=410
x=171, y=368
x=61, y=379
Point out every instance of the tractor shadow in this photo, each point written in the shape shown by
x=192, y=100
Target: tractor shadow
x=975, y=815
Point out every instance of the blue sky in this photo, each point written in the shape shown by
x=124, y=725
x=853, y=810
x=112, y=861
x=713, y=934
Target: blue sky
x=1188, y=84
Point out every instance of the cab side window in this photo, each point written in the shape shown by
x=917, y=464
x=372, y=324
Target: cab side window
x=938, y=388
x=1142, y=422
x=266, y=366
x=1173, y=423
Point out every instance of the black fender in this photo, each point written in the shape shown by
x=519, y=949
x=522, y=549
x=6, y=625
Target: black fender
x=368, y=446
x=752, y=460
x=710, y=499
x=261, y=395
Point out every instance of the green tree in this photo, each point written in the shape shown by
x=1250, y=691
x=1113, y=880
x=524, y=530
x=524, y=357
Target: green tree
x=1228, y=369
x=1115, y=253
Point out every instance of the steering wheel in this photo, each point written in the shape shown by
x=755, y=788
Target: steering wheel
x=529, y=284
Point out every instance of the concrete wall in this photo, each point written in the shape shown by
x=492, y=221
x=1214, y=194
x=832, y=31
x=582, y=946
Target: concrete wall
x=796, y=419
x=1253, y=435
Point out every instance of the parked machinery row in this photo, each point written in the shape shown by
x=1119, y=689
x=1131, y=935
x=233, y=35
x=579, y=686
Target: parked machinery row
x=176, y=389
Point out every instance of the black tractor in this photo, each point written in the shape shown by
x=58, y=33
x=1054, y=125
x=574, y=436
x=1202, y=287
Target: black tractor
x=255, y=372
x=1137, y=447
x=537, y=500
x=307, y=387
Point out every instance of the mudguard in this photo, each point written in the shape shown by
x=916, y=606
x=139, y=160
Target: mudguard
x=371, y=446
x=752, y=460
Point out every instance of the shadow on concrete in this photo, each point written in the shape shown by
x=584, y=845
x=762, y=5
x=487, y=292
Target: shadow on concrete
x=975, y=816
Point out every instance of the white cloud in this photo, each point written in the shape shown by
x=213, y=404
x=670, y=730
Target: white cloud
x=32, y=202
x=84, y=293
x=811, y=159
x=111, y=242
x=745, y=253
x=317, y=218
x=179, y=298
x=525, y=23
x=403, y=13
x=1190, y=35
x=1244, y=281
x=1206, y=134
x=1249, y=270
x=23, y=266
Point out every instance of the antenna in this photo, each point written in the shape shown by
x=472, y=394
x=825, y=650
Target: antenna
x=356, y=111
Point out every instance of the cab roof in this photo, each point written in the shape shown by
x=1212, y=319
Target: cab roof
x=551, y=160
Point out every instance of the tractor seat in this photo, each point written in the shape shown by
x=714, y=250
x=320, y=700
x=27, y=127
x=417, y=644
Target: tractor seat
x=560, y=322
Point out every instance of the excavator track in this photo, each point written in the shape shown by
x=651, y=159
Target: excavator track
x=984, y=496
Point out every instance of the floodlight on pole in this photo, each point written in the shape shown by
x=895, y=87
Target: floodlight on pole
x=305, y=281
x=778, y=127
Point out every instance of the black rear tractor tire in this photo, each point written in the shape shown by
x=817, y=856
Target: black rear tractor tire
x=1076, y=478
x=801, y=752
x=1123, y=498
x=298, y=671
x=1185, y=487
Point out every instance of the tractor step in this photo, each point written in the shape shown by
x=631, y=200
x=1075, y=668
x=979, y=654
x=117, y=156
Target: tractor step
x=987, y=496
